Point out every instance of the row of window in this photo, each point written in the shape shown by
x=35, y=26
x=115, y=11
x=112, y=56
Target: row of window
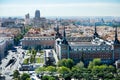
x=92, y=49
x=39, y=39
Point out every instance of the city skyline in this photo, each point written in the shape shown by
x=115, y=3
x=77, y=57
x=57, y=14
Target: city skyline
x=60, y=8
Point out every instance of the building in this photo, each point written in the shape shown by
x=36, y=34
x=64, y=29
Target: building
x=37, y=14
x=38, y=20
x=5, y=44
x=2, y=48
x=117, y=63
x=27, y=19
x=88, y=48
x=38, y=42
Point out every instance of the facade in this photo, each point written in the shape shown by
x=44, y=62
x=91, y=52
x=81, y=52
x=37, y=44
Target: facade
x=117, y=63
x=5, y=43
x=37, y=14
x=88, y=48
x=38, y=20
x=2, y=48
x=27, y=19
x=38, y=42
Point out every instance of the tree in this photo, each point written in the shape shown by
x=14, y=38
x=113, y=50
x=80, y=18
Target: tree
x=111, y=69
x=51, y=69
x=95, y=62
x=34, y=52
x=66, y=62
x=64, y=72
x=48, y=78
x=76, y=72
x=17, y=38
x=40, y=70
x=25, y=76
x=80, y=65
x=16, y=74
x=28, y=79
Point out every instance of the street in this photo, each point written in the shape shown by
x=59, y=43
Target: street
x=8, y=71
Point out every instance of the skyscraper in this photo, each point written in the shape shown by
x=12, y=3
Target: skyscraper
x=27, y=16
x=27, y=19
x=37, y=14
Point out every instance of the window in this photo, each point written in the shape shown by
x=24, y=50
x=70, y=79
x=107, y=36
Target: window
x=89, y=49
x=75, y=49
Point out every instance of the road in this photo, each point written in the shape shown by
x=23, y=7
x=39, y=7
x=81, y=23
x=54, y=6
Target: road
x=47, y=51
x=7, y=71
x=55, y=56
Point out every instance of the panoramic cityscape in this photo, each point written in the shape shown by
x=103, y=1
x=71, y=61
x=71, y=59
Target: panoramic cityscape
x=60, y=40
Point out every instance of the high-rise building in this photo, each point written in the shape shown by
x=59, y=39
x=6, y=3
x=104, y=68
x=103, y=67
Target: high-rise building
x=39, y=21
x=27, y=16
x=27, y=19
x=37, y=14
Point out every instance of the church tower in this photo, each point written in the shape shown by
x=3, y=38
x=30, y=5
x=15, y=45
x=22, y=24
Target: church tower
x=116, y=45
x=62, y=47
x=95, y=32
x=58, y=35
x=116, y=41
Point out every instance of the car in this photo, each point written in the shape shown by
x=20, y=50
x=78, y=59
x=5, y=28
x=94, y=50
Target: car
x=14, y=50
x=11, y=75
x=0, y=62
x=33, y=79
x=6, y=58
x=39, y=76
x=2, y=77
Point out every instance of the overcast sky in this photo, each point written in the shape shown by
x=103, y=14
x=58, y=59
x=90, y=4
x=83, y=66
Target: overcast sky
x=60, y=7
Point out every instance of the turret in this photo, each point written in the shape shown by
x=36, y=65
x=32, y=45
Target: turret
x=95, y=32
x=64, y=37
x=58, y=35
x=116, y=41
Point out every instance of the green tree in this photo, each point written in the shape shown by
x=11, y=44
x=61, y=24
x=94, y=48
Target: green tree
x=48, y=78
x=95, y=62
x=51, y=69
x=111, y=69
x=25, y=76
x=17, y=38
x=69, y=63
x=77, y=72
x=40, y=70
x=16, y=75
x=80, y=65
x=34, y=52
x=28, y=79
x=64, y=72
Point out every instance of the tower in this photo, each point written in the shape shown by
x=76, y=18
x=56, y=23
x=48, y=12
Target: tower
x=37, y=14
x=27, y=19
x=64, y=37
x=116, y=41
x=116, y=46
x=95, y=32
x=58, y=35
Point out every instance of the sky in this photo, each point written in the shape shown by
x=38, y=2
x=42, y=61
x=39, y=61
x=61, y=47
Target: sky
x=60, y=7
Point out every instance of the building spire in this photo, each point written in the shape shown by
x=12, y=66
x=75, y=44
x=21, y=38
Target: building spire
x=116, y=41
x=64, y=33
x=64, y=37
x=95, y=32
x=58, y=35
x=57, y=28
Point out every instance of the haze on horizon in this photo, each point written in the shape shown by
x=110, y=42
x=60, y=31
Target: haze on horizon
x=60, y=7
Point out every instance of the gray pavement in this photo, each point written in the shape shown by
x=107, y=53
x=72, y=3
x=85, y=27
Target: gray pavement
x=7, y=71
